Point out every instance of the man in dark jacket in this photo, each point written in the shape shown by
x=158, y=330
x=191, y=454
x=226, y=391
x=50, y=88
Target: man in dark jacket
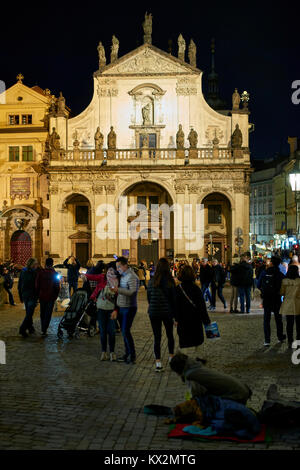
x=206, y=275
x=269, y=284
x=72, y=264
x=217, y=284
x=244, y=274
x=47, y=286
x=28, y=295
x=204, y=381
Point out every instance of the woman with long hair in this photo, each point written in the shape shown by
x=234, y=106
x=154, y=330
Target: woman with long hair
x=290, y=289
x=162, y=305
x=191, y=312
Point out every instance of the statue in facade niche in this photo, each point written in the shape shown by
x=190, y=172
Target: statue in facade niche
x=181, y=47
x=99, y=138
x=112, y=139
x=147, y=27
x=180, y=138
x=236, y=99
x=237, y=138
x=146, y=113
x=101, y=53
x=192, y=53
x=193, y=139
x=54, y=140
x=114, y=49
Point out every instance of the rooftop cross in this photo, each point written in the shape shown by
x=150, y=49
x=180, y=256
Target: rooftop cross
x=20, y=77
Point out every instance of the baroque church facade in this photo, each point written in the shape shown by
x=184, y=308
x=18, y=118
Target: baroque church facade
x=150, y=135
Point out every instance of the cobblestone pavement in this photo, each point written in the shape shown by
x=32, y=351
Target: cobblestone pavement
x=58, y=395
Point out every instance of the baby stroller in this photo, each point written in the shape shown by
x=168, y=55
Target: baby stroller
x=79, y=316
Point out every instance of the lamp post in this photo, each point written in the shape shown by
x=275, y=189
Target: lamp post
x=295, y=185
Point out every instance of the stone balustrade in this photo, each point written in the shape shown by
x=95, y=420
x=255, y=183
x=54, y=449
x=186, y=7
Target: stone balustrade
x=149, y=154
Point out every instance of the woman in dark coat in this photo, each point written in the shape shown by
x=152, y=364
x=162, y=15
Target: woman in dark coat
x=161, y=294
x=191, y=313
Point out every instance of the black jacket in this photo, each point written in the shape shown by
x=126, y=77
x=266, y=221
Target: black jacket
x=162, y=300
x=26, y=285
x=73, y=270
x=8, y=281
x=190, y=319
x=219, y=275
x=234, y=275
x=206, y=274
x=271, y=299
x=244, y=274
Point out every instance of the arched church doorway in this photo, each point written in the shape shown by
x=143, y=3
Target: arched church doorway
x=78, y=227
x=218, y=227
x=20, y=247
x=152, y=242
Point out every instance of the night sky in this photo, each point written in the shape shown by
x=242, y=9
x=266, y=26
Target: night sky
x=257, y=49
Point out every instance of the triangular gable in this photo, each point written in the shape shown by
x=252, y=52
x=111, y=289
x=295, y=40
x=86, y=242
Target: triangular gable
x=29, y=95
x=148, y=60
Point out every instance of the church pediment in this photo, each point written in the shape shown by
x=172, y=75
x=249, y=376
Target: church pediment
x=80, y=236
x=148, y=60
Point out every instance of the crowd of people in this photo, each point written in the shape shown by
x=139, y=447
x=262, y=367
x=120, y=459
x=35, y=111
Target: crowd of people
x=179, y=294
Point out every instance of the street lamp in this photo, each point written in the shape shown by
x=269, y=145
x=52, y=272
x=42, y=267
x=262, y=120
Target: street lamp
x=295, y=185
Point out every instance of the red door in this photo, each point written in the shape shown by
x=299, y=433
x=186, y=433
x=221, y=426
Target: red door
x=20, y=247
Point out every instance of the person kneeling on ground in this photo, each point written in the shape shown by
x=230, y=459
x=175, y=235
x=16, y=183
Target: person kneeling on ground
x=205, y=381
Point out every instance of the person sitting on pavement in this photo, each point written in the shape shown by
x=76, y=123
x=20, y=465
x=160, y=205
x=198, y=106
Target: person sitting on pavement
x=202, y=380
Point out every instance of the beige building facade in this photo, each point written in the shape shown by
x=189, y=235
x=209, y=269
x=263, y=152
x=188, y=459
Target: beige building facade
x=24, y=200
x=147, y=137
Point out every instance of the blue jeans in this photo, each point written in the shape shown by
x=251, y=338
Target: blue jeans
x=46, y=309
x=106, y=327
x=27, y=322
x=206, y=291
x=245, y=292
x=127, y=315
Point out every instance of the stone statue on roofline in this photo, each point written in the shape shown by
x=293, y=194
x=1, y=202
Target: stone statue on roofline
x=114, y=49
x=236, y=100
x=181, y=47
x=101, y=54
x=147, y=27
x=54, y=140
x=112, y=139
x=99, y=138
x=180, y=138
x=192, y=53
x=193, y=139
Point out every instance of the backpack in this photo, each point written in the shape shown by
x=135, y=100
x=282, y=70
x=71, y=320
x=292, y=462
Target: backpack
x=268, y=287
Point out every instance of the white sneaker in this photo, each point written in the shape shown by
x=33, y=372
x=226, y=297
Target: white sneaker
x=103, y=356
x=113, y=357
x=267, y=344
x=158, y=367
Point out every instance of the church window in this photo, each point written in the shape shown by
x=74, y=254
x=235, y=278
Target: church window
x=81, y=215
x=26, y=118
x=27, y=153
x=14, y=119
x=13, y=154
x=214, y=214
